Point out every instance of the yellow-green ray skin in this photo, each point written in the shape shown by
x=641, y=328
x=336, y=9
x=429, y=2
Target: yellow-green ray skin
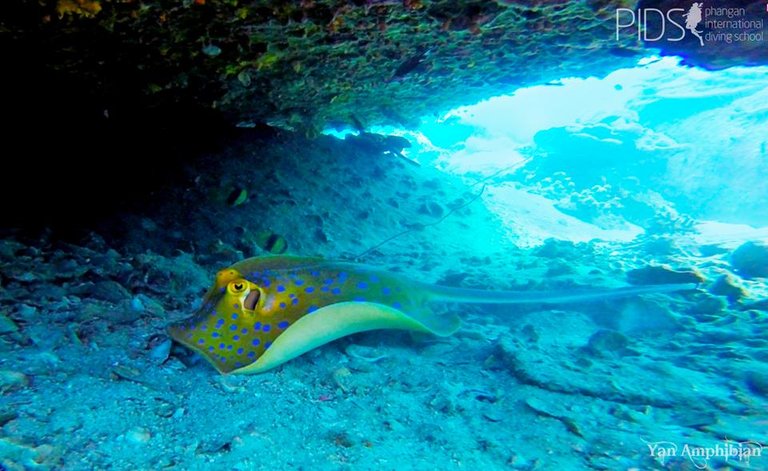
x=306, y=302
x=303, y=303
x=333, y=322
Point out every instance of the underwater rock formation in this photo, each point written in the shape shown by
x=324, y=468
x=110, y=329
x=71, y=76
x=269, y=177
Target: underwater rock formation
x=751, y=259
x=305, y=65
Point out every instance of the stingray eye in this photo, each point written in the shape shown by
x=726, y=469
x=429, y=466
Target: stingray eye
x=237, y=287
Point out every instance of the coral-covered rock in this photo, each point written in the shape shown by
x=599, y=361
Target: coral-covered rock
x=661, y=274
x=728, y=287
x=307, y=64
x=751, y=259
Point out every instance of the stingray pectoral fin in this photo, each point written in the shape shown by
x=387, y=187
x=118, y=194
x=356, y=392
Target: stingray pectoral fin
x=338, y=320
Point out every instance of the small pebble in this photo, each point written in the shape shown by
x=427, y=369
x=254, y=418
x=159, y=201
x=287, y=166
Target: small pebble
x=27, y=276
x=709, y=305
x=149, y=306
x=728, y=287
x=127, y=373
x=161, y=351
x=26, y=312
x=12, y=453
x=607, y=342
x=138, y=435
x=559, y=268
x=148, y=225
x=244, y=78
x=7, y=325
x=231, y=384
x=493, y=416
x=757, y=382
x=368, y=354
x=164, y=409
x=6, y=415
x=12, y=380
x=137, y=305
x=110, y=291
x=211, y=50
x=47, y=455
x=341, y=378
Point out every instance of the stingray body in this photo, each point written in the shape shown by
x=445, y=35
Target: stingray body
x=262, y=312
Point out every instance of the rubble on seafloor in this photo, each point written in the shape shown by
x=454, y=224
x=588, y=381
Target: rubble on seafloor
x=88, y=377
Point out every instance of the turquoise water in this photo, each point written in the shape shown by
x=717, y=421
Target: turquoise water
x=653, y=175
x=696, y=137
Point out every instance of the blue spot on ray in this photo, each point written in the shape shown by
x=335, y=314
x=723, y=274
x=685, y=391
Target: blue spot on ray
x=266, y=328
x=280, y=288
x=336, y=291
x=309, y=289
x=255, y=343
x=234, y=315
x=362, y=285
x=282, y=325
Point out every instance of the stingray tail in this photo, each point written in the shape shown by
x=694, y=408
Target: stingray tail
x=466, y=295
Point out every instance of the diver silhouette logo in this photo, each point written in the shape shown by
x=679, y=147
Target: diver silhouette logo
x=692, y=20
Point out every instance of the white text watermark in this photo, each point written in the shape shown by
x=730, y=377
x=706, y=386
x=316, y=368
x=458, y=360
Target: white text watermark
x=707, y=24
x=701, y=456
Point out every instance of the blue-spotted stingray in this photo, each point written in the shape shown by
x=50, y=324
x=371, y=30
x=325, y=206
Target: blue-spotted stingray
x=264, y=311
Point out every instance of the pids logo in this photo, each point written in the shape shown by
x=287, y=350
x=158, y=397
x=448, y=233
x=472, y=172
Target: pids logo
x=706, y=25
x=676, y=19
